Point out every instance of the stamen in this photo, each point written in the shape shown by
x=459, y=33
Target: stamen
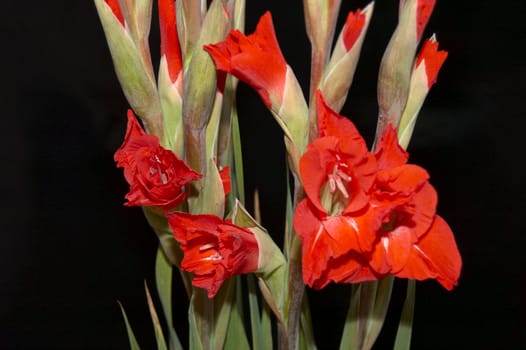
x=341, y=187
x=344, y=176
x=214, y=257
x=206, y=247
x=385, y=242
x=332, y=183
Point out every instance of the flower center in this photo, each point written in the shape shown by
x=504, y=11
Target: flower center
x=338, y=179
x=334, y=194
x=213, y=257
x=156, y=168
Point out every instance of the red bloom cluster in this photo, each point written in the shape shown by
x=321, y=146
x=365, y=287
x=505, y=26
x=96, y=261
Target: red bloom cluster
x=156, y=176
x=368, y=215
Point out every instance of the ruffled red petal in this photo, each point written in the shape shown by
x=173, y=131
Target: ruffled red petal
x=435, y=255
x=255, y=59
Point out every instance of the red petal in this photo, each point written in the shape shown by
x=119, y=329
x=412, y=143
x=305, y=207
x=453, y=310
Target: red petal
x=255, y=59
x=404, y=180
x=388, y=152
x=331, y=123
x=436, y=256
x=169, y=38
x=433, y=60
x=423, y=12
x=314, y=167
x=348, y=268
x=353, y=28
x=116, y=9
x=225, y=179
x=393, y=250
x=425, y=203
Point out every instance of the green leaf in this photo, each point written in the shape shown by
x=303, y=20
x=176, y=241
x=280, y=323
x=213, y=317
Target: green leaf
x=238, y=156
x=403, y=335
x=266, y=327
x=306, y=331
x=223, y=302
x=255, y=318
x=236, y=337
x=194, y=320
x=366, y=315
x=355, y=328
x=159, y=337
x=163, y=278
x=289, y=214
x=376, y=318
x=131, y=337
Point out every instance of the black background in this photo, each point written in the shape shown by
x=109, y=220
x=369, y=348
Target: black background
x=70, y=250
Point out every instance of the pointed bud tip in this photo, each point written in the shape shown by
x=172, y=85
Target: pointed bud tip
x=432, y=58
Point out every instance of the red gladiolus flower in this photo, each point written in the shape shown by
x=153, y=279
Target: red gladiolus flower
x=255, y=59
x=156, y=176
x=413, y=241
x=337, y=172
x=364, y=218
x=214, y=249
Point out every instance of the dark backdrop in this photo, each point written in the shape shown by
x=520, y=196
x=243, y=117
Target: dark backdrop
x=70, y=250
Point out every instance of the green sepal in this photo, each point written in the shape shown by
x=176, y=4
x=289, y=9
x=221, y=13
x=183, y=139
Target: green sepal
x=236, y=337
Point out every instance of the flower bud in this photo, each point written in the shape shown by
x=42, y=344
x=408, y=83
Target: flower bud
x=133, y=70
x=427, y=66
x=170, y=82
x=339, y=73
x=397, y=62
x=200, y=84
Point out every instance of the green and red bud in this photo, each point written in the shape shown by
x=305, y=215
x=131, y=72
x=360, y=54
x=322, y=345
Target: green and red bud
x=257, y=60
x=132, y=63
x=338, y=75
x=170, y=78
x=425, y=71
x=200, y=85
x=397, y=62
